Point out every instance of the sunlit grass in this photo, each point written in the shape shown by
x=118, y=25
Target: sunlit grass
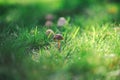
x=89, y=50
x=86, y=52
x=96, y=48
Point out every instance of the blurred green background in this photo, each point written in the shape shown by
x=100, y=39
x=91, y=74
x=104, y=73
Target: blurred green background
x=33, y=11
x=23, y=43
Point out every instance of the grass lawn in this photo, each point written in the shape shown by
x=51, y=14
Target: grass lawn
x=90, y=49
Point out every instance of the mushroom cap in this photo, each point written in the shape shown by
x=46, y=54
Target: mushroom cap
x=58, y=37
x=49, y=17
x=61, y=21
x=49, y=32
x=48, y=23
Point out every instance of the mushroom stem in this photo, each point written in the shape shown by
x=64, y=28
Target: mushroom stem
x=58, y=44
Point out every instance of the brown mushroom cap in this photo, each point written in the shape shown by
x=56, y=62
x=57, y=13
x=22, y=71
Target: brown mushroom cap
x=48, y=23
x=49, y=17
x=58, y=37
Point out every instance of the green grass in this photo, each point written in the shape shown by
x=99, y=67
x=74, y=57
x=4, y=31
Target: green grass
x=89, y=51
x=84, y=54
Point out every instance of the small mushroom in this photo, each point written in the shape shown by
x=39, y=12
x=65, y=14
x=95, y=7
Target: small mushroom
x=58, y=38
x=49, y=32
x=61, y=22
x=49, y=17
x=48, y=24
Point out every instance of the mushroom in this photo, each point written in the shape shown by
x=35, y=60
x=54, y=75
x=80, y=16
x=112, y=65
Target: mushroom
x=49, y=32
x=49, y=17
x=61, y=22
x=58, y=38
x=48, y=23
